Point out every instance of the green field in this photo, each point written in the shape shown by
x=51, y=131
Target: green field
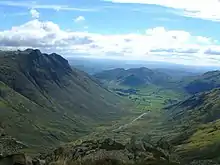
x=151, y=97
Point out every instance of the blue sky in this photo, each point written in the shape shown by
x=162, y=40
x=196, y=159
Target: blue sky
x=179, y=31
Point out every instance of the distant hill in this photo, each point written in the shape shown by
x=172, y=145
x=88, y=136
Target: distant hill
x=133, y=77
x=179, y=73
x=202, y=83
x=196, y=122
x=44, y=102
x=183, y=81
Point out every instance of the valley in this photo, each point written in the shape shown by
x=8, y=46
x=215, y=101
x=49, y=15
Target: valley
x=50, y=110
x=190, y=125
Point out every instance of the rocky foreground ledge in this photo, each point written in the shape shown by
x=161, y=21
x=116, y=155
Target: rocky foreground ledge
x=100, y=152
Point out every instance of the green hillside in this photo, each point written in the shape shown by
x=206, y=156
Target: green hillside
x=43, y=102
x=195, y=123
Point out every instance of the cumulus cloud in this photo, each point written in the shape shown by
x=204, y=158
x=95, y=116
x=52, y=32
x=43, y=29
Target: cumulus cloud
x=34, y=13
x=205, y=9
x=79, y=19
x=156, y=44
x=42, y=35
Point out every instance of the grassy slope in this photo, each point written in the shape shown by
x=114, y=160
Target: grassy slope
x=44, y=103
x=196, y=123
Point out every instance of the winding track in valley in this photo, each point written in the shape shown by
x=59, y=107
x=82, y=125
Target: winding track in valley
x=134, y=120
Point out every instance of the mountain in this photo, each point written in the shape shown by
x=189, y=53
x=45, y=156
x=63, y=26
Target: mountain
x=196, y=123
x=44, y=102
x=179, y=73
x=133, y=77
x=202, y=83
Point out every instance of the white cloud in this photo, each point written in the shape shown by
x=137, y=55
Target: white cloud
x=205, y=9
x=34, y=13
x=204, y=40
x=43, y=35
x=156, y=44
x=79, y=19
x=34, y=5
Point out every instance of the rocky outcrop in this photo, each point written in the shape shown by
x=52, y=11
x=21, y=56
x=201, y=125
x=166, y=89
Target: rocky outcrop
x=9, y=145
x=110, y=152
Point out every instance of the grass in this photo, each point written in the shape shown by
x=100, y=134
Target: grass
x=205, y=135
x=151, y=97
x=203, y=144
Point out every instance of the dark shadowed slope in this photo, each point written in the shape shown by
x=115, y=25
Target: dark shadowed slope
x=202, y=83
x=41, y=96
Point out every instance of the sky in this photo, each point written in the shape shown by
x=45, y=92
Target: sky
x=177, y=31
